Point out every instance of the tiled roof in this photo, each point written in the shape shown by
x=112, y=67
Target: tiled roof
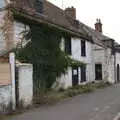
x=57, y=16
x=53, y=15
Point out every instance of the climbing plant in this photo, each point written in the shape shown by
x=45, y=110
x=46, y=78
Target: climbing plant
x=44, y=52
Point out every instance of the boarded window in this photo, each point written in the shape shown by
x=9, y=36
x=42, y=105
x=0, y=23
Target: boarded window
x=5, y=73
x=68, y=45
x=83, y=73
x=83, y=48
x=98, y=71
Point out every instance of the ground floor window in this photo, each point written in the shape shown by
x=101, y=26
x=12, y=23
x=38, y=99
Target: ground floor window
x=98, y=71
x=83, y=73
x=75, y=75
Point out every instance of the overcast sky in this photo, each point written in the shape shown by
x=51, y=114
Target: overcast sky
x=89, y=10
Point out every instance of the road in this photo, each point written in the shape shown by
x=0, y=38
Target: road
x=102, y=104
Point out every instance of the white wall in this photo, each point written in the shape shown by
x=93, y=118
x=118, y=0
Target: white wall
x=5, y=96
x=25, y=79
x=88, y=59
x=65, y=80
x=117, y=58
x=19, y=29
x=104, y=57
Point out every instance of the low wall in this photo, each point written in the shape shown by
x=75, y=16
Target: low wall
x=25, y=80
x=5, y=98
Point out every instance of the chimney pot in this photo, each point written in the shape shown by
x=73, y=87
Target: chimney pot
x=98, y=25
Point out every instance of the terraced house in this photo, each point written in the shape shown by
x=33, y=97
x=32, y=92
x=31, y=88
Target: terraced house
x=99, y=53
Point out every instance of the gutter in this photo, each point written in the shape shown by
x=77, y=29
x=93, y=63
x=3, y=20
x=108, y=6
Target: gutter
x=41, y=19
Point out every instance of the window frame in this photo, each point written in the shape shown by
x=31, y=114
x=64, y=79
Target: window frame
x=83, y=48
x=83, y=74
x=96, y=73
x=68, y=45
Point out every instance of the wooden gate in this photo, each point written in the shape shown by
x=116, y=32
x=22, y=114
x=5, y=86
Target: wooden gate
x=5, y=77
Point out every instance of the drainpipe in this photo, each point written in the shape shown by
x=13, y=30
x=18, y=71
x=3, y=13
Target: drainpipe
x=114, y=53
x=115, y=68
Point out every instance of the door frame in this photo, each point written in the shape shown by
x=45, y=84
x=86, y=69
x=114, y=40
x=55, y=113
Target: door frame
x=75, y=78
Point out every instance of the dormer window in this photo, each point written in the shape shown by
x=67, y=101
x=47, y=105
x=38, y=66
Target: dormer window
x=39, y=6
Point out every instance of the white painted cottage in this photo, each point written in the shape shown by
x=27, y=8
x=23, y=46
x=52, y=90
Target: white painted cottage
x=100, y=53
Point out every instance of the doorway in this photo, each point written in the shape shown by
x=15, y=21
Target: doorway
x=98, y=71
x=75, y=76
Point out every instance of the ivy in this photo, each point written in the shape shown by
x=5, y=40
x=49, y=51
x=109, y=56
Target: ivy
x=44, y=52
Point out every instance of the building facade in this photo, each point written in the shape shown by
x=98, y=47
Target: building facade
x=90, y=46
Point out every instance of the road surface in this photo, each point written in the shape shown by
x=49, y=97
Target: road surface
x=102, y=104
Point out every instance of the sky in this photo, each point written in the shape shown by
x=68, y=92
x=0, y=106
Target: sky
x=88, y=11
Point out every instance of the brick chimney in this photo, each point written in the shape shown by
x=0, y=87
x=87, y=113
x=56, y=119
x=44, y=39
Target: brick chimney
x=71, y=12
x=98, y=25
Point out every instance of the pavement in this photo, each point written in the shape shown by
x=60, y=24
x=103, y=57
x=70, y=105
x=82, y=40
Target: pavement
x=103, y=104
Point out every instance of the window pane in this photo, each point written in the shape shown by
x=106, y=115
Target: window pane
x=83, y=74
x=83, y=48
x=68, y=45
x=98, y=71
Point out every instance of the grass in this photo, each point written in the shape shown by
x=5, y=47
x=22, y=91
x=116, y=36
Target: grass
x=55, y=96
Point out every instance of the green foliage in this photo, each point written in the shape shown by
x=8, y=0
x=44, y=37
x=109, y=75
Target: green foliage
x=44, y=52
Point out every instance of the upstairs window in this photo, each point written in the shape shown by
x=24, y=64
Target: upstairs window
x=68, y=45
x=39, y=6
x=83, y=48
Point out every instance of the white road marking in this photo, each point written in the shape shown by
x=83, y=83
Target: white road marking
x=117, y=117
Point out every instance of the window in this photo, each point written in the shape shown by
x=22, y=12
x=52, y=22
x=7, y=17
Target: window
x=83, y=48
x=39, y=6
x=98, y=71
x=83, y=73
x=68, y=45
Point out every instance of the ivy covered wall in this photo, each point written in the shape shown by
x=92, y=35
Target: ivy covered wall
x=44, y=52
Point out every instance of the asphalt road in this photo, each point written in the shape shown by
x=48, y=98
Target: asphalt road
x=100, y=105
